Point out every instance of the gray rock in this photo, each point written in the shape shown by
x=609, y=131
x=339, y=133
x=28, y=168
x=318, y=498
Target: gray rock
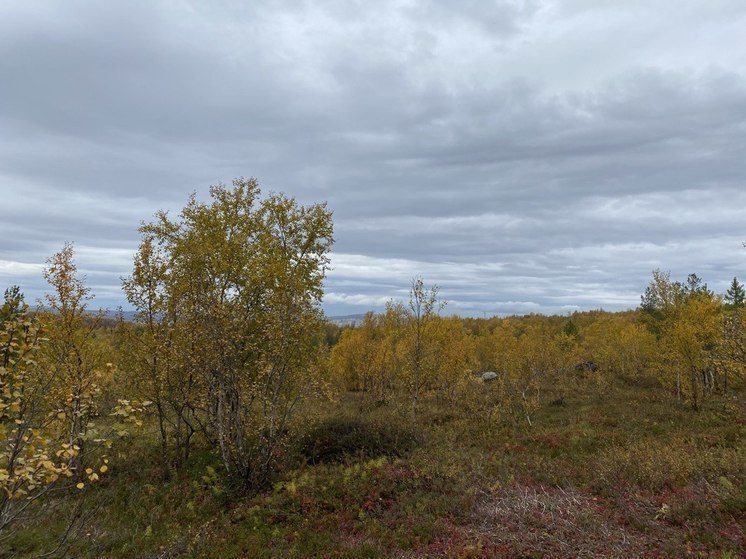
x=488, y=376
x=586, y=366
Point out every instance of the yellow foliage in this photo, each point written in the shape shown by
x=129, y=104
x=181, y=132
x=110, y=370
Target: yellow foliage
x=48, y=395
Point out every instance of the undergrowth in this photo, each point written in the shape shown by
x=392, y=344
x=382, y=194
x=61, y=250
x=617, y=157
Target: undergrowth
x=622, y=474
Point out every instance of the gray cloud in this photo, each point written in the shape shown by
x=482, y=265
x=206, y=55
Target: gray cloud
x=527, y=156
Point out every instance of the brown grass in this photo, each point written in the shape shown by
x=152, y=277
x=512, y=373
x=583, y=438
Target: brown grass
x=555, y=522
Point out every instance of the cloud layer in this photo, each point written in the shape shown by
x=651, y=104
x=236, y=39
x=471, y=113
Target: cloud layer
x=525, y=155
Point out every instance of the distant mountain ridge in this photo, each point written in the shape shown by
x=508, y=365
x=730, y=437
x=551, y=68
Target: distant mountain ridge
x=340, y=320
x=114, y=313
x=347, y=319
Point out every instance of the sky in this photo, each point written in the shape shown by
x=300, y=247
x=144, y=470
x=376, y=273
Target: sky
x=526, y=156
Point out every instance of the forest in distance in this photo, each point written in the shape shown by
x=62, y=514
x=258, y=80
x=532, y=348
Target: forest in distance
x=227, y=417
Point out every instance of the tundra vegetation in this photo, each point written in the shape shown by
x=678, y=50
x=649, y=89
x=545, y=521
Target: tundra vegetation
x=229, y=419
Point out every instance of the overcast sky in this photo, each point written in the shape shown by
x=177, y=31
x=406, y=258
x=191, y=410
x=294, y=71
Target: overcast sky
x=526, y=156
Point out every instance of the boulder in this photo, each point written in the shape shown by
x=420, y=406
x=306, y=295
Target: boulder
x=587, y=366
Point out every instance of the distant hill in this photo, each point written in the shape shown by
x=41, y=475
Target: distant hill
x=342, y=320
x=114, y=313
x=346, y=320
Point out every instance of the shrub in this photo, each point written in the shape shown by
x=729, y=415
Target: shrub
x=666, y=465
x=337, y=440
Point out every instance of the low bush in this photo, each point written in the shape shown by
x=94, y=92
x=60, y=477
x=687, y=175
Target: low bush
x=657, y=465
x=338, y=440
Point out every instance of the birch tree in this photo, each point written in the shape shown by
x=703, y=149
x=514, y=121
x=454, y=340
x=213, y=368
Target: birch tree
x=240, y=279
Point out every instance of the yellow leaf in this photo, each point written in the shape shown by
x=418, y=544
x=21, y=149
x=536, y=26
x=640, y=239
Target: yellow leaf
x=103, y=469
x=81, y=485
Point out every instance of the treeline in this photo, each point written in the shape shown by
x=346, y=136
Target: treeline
x=684, y=339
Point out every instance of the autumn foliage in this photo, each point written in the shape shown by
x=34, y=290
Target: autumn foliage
x=229, y=396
